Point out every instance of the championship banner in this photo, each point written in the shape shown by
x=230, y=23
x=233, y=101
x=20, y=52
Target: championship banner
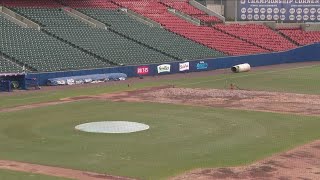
x=279, y=10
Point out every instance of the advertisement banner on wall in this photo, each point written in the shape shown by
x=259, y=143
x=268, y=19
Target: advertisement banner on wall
x=202, y=65
x=143, y=70
x=279, y=10
x=164, y=68
x=184, y=66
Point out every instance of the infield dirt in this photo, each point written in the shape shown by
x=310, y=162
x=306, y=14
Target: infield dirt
x=289, y=103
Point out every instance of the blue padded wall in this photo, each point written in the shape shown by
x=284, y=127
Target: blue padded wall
x=301, y=54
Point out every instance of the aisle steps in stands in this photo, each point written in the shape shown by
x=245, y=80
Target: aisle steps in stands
x=140, y=18
x=184, y=16
x=18, y=19
x=84, y=18
x=206, y=10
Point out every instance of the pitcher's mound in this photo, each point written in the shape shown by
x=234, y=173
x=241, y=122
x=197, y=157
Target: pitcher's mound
x=112, y=127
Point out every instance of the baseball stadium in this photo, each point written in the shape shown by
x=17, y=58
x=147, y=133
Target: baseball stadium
x=159, y=89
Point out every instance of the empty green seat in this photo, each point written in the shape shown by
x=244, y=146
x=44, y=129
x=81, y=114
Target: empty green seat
x=156, y=37
x=41, y=51
x=6, y=66
x=102, y=42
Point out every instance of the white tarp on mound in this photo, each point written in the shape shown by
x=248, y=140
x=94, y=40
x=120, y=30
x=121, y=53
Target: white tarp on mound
x=112, y=127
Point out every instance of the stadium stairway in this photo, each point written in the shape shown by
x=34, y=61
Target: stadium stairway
x=185, y=7
x=287, y=37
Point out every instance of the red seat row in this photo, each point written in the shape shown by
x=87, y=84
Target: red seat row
x=90, y=4
x=258, y=34
x=185, y=7
x=31, y=3
x=302, y=37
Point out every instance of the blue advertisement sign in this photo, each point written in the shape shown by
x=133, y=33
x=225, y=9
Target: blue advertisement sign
x=202, y=65
x=279, y=10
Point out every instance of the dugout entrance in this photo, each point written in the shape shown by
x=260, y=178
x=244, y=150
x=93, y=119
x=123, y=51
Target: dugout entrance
x=11, y=81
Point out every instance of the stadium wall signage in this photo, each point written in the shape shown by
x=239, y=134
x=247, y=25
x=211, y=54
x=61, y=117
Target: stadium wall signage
x=202, y=65
x=279, y=10
x=184, y=66
x=164, y=68
x=143, y=70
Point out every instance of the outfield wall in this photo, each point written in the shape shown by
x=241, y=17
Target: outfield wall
x=301, y=54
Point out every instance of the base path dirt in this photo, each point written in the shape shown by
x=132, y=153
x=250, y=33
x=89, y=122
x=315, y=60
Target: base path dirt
x=300, y=163
x=32, y=106
x=56, y=171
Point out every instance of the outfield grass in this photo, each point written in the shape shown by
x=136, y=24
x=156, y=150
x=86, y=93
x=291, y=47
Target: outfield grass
x=13, y=175
x=180, y=138
x=297, y=80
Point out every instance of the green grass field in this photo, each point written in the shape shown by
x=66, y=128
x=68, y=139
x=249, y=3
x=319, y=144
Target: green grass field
x=180, y=137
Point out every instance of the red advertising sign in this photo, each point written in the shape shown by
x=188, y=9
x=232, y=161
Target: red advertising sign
x=143, y=70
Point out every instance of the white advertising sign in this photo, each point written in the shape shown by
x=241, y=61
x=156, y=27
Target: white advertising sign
x=164, y=68
x=184, y=66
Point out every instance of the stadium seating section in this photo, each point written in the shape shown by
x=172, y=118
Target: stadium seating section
x=185, y=7
x=205, y=35
x=302, y=37
x=8, y=66
x=152, y=36
x=65, y=43
x=90, y=4
x=258, y=34
x=32, y=3
x=41, y=51
x=102, y=42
